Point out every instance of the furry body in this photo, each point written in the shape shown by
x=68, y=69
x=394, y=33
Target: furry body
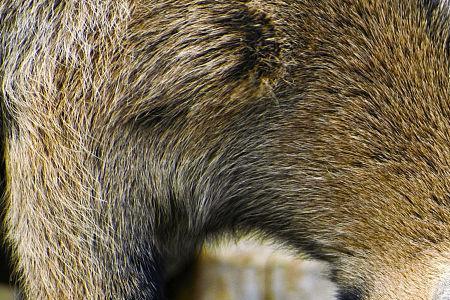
x=135, y=129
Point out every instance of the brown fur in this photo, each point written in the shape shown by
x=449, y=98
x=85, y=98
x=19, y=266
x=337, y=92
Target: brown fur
x=135, y=129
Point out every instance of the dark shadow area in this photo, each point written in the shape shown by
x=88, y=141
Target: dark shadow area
x=181, y=285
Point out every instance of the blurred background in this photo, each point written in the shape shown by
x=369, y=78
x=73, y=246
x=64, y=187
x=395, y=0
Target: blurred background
x=249, y=270
x=245, y=270
x=6, y=293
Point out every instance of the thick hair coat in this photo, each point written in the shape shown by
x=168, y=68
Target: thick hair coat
x=134, y=130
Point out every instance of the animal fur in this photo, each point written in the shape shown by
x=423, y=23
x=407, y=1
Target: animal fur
x=134, y=130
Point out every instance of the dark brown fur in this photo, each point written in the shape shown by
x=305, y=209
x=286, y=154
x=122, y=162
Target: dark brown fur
x=134, y=130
